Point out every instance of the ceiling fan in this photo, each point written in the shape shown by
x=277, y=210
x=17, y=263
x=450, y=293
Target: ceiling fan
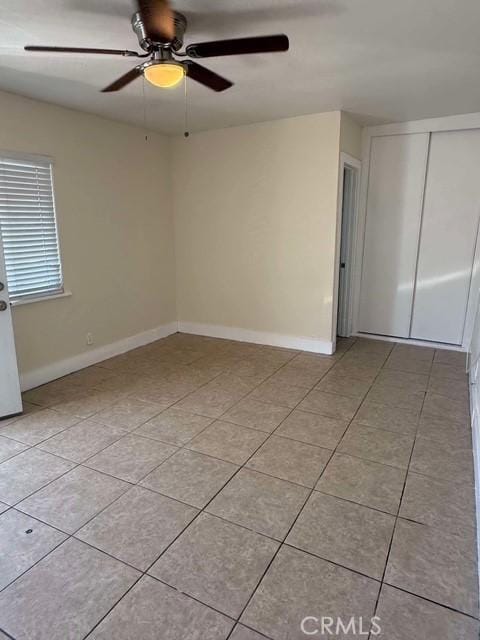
x=160, y=32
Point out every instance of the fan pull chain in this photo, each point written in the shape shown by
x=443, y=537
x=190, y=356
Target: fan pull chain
x=144, y=109
x=186, y=132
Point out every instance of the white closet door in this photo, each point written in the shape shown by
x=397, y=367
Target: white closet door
x=394, y=209
x=448, y=236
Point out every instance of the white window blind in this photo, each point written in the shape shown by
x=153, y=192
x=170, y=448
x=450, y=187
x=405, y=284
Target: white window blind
x=28, y=227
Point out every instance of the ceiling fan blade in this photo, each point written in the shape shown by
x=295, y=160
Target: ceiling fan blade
x=239, y=46
x=110, y=52
x=206, y=77
x=121, y=82
x=158, y=19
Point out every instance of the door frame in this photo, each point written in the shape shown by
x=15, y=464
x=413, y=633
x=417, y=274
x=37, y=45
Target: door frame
x=431, y=125
x=346, y=160
x=9, y=360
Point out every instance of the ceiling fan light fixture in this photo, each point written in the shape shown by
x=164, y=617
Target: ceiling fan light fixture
x=164, y=74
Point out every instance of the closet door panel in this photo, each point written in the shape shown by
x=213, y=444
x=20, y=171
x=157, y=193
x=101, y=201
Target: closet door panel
x=394, y=208
x=448, y=236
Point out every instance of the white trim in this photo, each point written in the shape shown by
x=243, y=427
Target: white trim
x=418, y=343
x=258, y=337
x=54, y=296
x=345, y=159
x=35, y=378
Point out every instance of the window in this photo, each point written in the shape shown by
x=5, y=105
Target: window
x=28, y=227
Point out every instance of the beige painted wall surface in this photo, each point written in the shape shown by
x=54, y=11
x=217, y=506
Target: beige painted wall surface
x=255, y=216
x=114, y=214
x=350, y=136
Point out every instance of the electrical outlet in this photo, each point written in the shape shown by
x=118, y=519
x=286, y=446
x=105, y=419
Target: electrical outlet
x=89, y=339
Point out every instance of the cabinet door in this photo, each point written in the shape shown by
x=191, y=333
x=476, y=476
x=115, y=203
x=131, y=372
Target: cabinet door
x=448, y=236
x=394, y=209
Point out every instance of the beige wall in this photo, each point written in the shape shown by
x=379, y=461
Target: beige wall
x=350, y=136
x=255, y=216
x=116, y=230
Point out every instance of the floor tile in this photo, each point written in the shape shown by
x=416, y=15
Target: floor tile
x=330, y=405
x=410, y=365
x=137, y=527
x=91, y=376
x=290, y=460
x=377, y=445
x=344, y=385
x=297, y=376
x=453, y=358
x=52, y=392
x=261, y=503
x=446, y=408
x=174, y=426
x=163, y=392
x=27, y=409
x=28, y=471
x=429, y=563
x=242, y=633
x=86, y=402
x=452, y=372
x=257, y=415
x=154, y=611
x=10, y=448
x=442, y=461
x=380, y=416
x=369, y=483
x=447, y=505
x=413, y=352
x=40, y=425
x=190, y=477
x=228, y=441
x=456, y=389
x=348, y=534
x=23, y=542
x=69, y=502
x=129, y=413
x=355, y=370
x=82, y=441
x=86, y=582
x=402, y=380
x=404, y=616
x=313, y=428
x=216, y=562
x=131, y=458
x=283, y=394
x=298, y=585
x=395, y=397
x=312, y=362
x=210, y=402
x=445, y=432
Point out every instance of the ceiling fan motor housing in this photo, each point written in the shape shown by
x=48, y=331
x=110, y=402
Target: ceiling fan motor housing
x=147, y=44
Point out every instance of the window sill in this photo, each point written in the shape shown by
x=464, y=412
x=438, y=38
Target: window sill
x=54, y=296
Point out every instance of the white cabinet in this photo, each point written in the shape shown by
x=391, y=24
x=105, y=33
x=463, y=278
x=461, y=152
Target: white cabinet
x=423, y=206
x=448, y=236
x=395, y=194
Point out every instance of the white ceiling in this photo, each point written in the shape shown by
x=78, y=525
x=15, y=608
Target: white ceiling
x=381, y=60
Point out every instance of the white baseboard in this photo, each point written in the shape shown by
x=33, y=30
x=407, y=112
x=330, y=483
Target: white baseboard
x=257, y=337
x=417, y=343
x=36, y=377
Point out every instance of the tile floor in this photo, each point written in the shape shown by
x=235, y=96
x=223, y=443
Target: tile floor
x=201, y=489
